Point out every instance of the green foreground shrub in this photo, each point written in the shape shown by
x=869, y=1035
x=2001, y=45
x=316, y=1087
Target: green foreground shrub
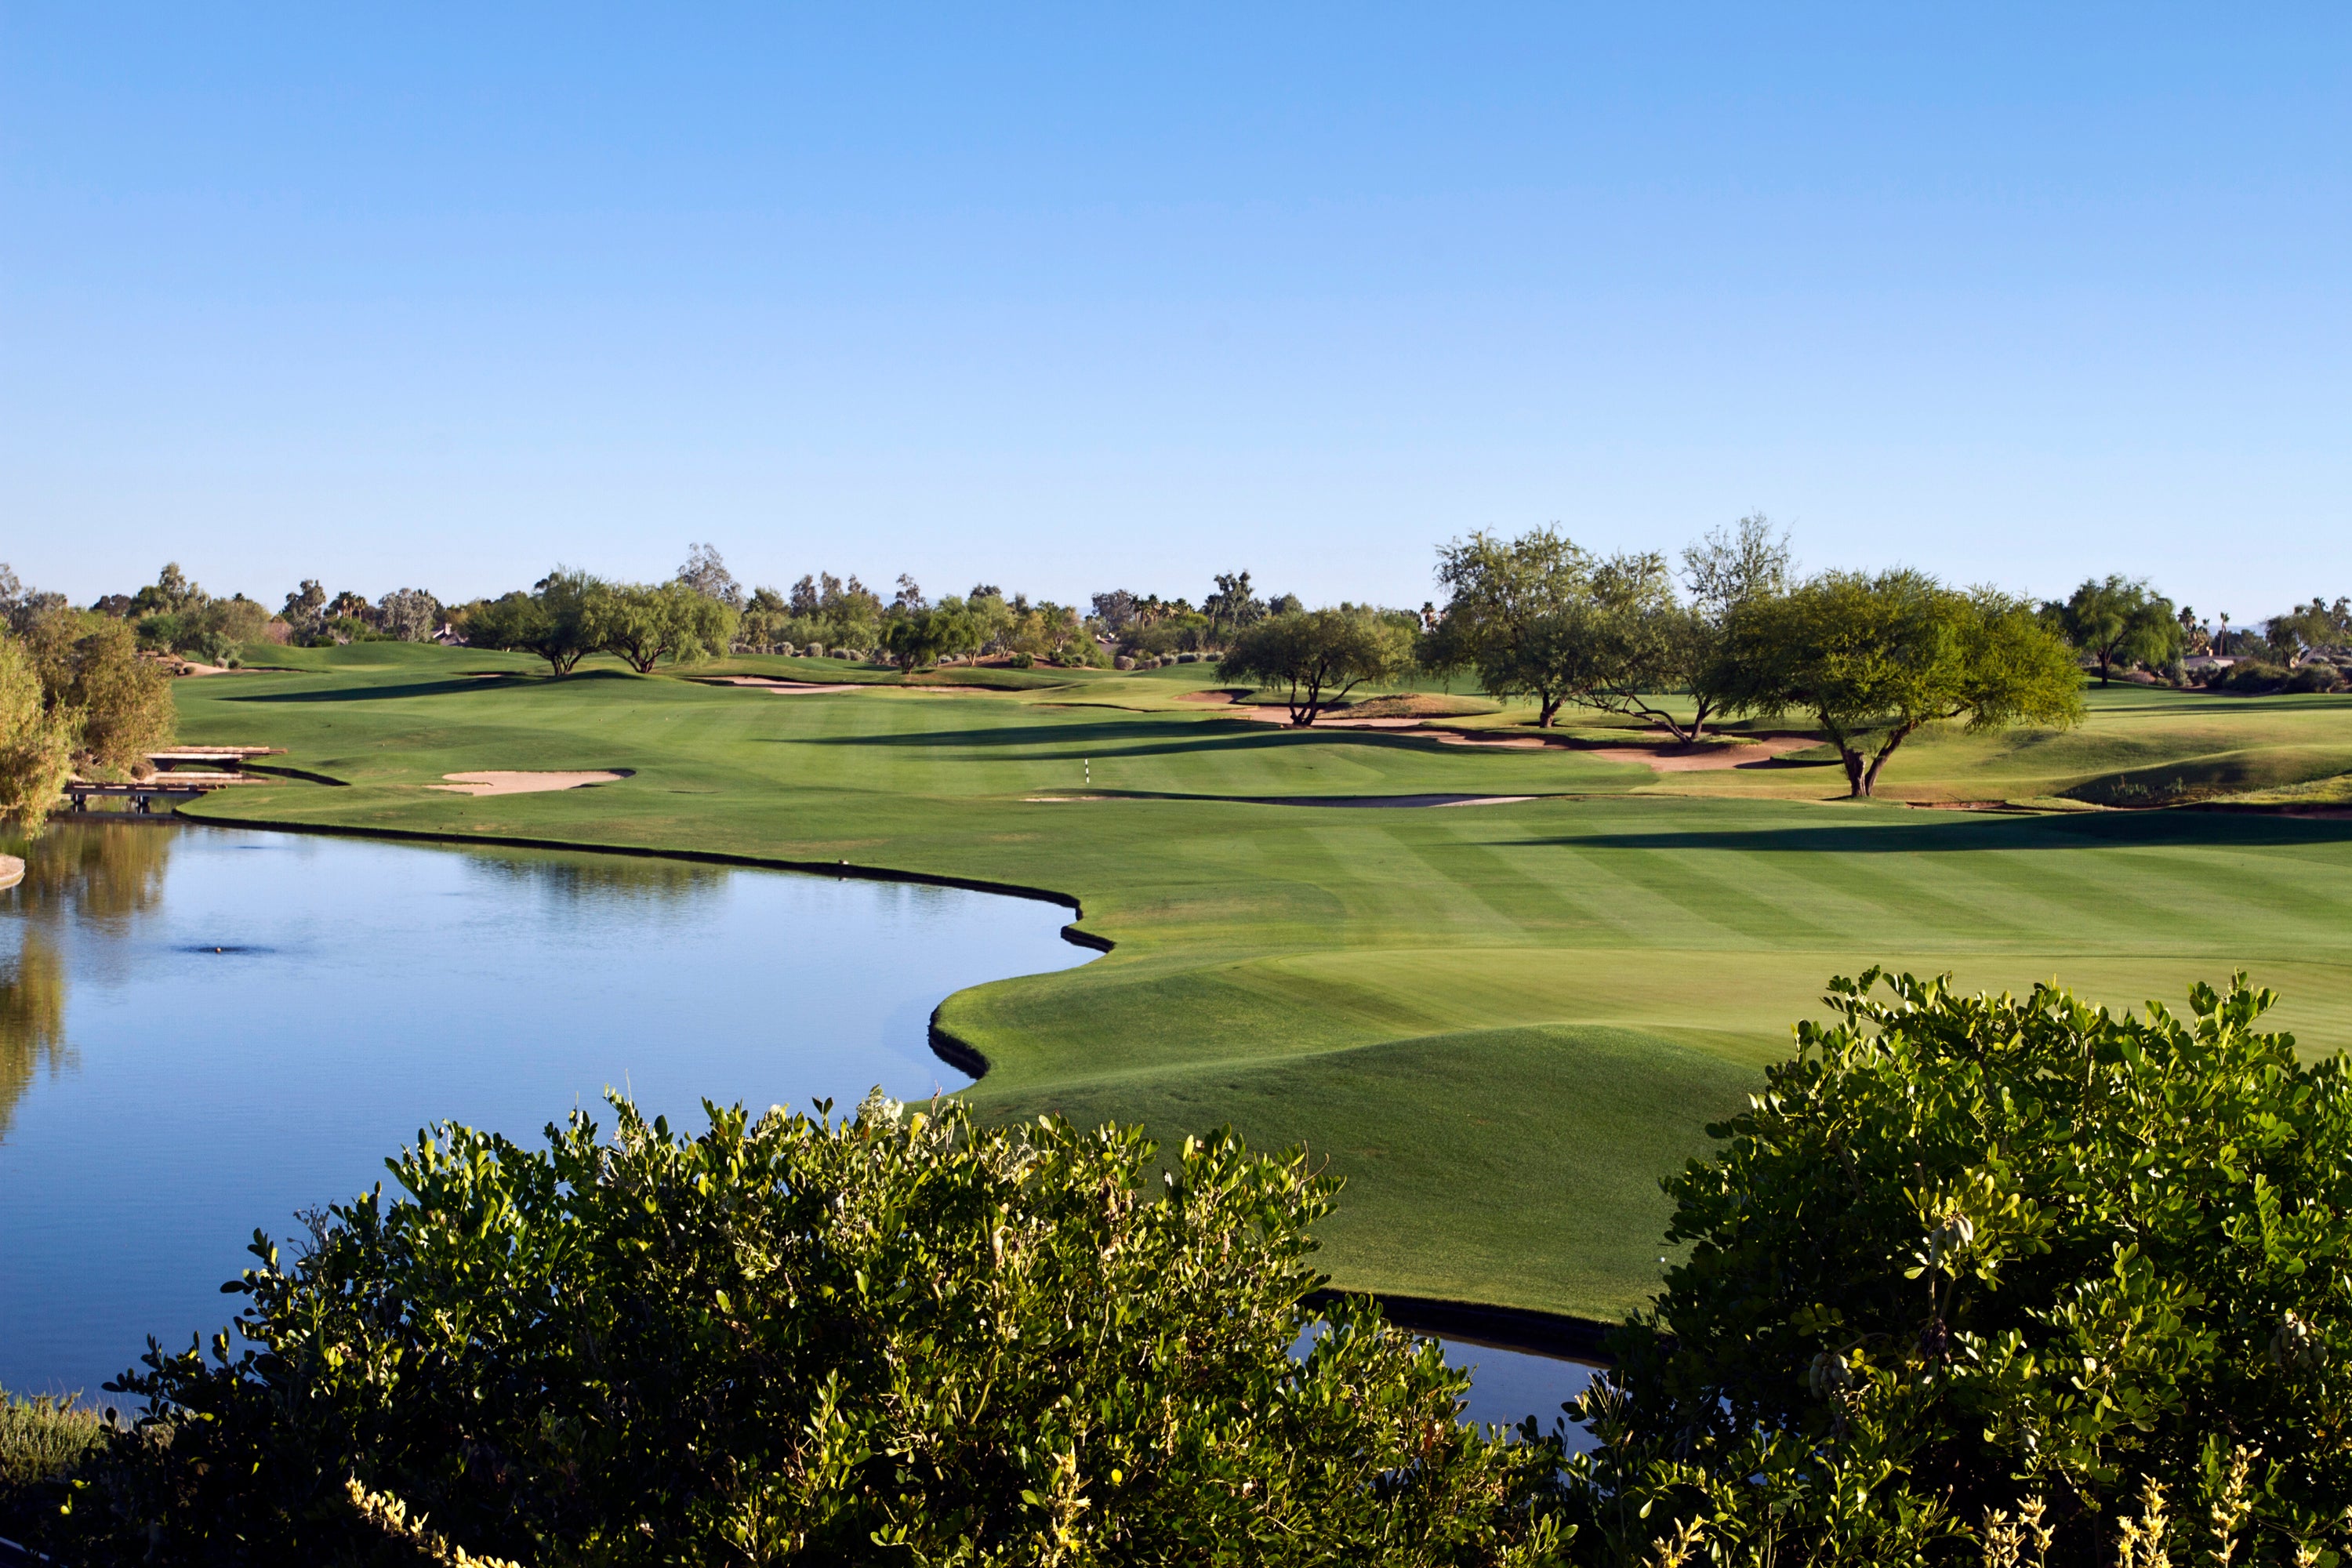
x=41, y=1438
x=1972, y=1261
x=894, y=1338
x=1977, y=1280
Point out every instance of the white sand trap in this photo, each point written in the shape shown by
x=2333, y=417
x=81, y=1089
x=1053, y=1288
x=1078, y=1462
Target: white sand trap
x=12, y=870
x=1408, y=801
x=497, y=782
x=1508, y=742
x=1326, y=721
x=791, y=688
x=1705, y=759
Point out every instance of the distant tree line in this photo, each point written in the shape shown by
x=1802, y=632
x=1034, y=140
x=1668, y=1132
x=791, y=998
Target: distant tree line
x=1726, y=630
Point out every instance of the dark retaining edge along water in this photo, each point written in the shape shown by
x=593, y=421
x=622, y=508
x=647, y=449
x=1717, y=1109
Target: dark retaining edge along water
x=206, y=1027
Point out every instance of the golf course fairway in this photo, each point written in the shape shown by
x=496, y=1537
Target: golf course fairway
x=1500, y=1023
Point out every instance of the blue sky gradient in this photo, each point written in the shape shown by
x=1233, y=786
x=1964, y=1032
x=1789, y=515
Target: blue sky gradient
x=1069, y=300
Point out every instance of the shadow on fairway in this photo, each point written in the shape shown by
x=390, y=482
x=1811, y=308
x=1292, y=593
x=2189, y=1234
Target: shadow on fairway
x=488, y=680
x=1121, y=737
x=2138, y=829
x=381, y=693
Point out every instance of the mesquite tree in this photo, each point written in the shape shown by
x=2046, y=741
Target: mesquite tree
x=1872, y=660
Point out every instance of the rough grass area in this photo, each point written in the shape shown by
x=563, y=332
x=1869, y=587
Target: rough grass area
x=838, y=672
x=1501, y=1023
x=40, y=1438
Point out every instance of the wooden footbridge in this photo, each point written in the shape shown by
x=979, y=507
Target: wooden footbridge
x=173, y=780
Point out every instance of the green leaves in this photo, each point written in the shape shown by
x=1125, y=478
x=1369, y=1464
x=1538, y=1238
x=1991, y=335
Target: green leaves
x=896, y=1337
x=1871, y=660
x=1318, y=655
x=2054, y=1251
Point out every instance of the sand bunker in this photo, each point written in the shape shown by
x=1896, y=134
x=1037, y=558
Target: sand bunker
x=1679, y=759
x=525, y=783
x=1274, y=714
x=12, y=870
x=819, y=687
x=1509, y=742
x=1407, y=801
x=791, y=688
x=1667, y=756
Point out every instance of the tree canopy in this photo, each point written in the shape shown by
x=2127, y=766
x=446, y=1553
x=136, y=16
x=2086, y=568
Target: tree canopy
x=1504, y=615
x=1540, y=617
x=2316, y=628
x=1873, y=659
x=36, y=749
x=75, y=696
x=1969, y=1262
x=554, y=620
x=643, y=625
x=2120, y=621
x=1317, y=657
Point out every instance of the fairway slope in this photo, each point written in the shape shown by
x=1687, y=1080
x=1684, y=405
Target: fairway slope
x=1502, y=1024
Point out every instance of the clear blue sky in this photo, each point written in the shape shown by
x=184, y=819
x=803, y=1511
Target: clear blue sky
x=1122, y=296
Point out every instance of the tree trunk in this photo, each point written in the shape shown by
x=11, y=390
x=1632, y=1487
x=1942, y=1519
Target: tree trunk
x=1870, y=780
x=1547, y=709
x=1857, y=782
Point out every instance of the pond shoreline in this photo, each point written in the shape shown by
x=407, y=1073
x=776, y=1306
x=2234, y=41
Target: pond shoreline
x=840, y=869
x=1556, y=1335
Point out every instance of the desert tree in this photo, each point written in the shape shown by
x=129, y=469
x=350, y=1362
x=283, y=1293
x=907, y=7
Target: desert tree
x=1317, y=657
x=2118, y=620
x=1503, y=616
x=642, y=624
x=1725, y=569
x=36, y=744
x=553, y=620
x=411, y=615
x=1873, y=659
x=705, y=572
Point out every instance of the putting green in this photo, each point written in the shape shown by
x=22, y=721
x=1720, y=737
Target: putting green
x=1500, y=1023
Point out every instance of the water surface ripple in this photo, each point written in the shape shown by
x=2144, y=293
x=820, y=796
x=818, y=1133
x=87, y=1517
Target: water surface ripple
x=203, y=1030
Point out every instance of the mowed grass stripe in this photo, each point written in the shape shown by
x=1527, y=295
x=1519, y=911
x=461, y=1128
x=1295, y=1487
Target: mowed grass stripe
x=1418, y=990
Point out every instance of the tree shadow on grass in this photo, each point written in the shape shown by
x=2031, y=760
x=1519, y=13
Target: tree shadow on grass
x=2121, y=830
x=1121, y=737
x=488, y=681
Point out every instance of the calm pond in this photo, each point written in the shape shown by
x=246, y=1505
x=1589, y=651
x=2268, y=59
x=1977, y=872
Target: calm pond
x=203, y=1030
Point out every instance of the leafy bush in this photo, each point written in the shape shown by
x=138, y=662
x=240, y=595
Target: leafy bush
x=2315, y=677
x=2249, y=678
x=41, y=1438
x=1972, y=1259
x=893, y=1339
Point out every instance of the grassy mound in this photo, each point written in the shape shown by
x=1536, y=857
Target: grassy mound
x=1386, y=985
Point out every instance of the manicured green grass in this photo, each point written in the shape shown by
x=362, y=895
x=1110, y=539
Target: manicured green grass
x=1501, y=1023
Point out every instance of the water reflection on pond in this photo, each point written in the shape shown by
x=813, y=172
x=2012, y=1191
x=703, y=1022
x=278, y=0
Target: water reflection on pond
x=203, y=1030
